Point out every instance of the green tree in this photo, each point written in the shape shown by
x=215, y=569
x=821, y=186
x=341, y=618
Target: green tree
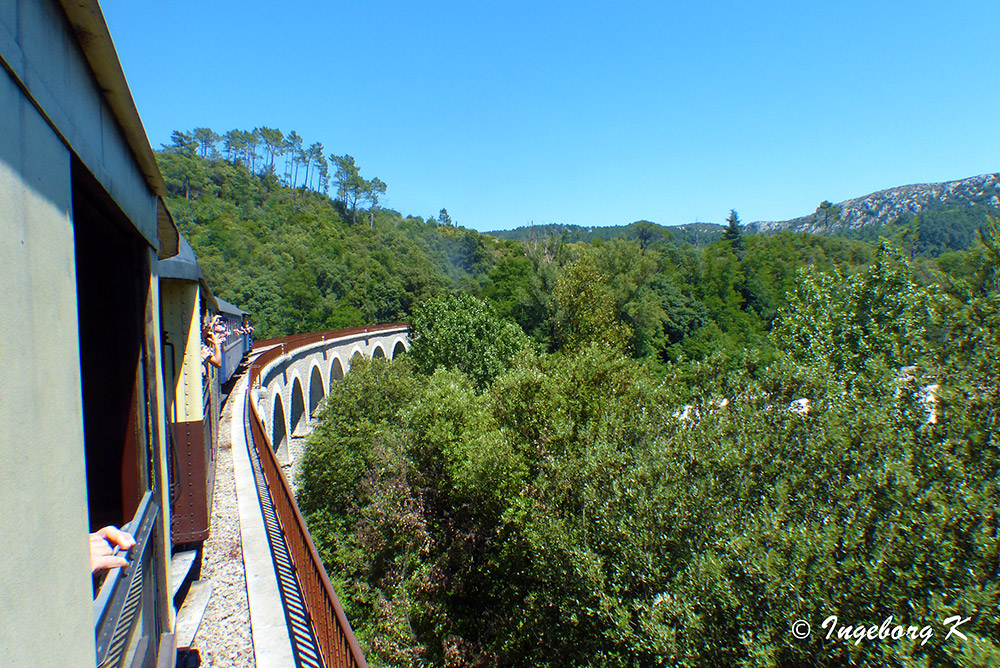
x=842, y=325
x=206, y=140
x=316, y=159
x=520, y=290
x=587, y=311
x=251, y=142
x=293, y=157
x=827, y=214
x=646, y=233
x=352, y=189
x=376, y=188
x=182, y=165
x=274, y=144
x=182, y=143
x=232, y=143
x=734, y=232
x=464, y=333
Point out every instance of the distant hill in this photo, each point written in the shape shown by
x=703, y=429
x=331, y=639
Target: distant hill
x=696, y=234
x=943, y=215
x=931, y=217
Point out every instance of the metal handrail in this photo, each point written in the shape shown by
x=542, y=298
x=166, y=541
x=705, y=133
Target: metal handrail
x=337, y=644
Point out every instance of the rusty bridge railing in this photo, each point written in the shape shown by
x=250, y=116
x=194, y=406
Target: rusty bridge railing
x=336, y=641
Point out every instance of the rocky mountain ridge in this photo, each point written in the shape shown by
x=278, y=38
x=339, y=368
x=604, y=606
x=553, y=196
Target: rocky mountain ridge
x=891, y=205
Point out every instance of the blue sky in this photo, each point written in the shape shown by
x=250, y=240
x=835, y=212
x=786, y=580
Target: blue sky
x=513, y=112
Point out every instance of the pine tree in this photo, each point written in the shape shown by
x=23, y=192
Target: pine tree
x=734, y=233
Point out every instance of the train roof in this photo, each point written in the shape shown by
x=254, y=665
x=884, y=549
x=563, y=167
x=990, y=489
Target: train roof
x=226, y=307
x=184, y=265
x=87, y=23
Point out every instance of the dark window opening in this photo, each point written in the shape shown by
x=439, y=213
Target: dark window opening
x=279, y=435
x=336, y=371
x=112, y=273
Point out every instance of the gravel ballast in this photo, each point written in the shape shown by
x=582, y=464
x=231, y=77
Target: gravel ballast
x=224, y=637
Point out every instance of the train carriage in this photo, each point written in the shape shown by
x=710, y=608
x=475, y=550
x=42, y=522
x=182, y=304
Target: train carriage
x=194, y=388
x=100, y=350
x=235, y=345
x=192, y=395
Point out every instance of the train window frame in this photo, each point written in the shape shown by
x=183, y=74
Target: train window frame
x=113, y=292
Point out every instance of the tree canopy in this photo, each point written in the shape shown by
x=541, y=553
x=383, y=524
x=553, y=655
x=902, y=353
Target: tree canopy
x=582, y=508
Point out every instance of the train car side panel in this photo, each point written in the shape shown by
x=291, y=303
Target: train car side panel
x=192, y=436
x=182, y=348
x=233, y=350
x=42, y=467
x=83, y=439
x=191, y=510
x=157, y=468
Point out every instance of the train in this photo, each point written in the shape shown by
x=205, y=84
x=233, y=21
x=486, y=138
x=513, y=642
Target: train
x=194, y=389
x=108, y=413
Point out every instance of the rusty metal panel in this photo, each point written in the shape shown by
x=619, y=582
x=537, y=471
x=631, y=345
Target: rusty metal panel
x=190, y=516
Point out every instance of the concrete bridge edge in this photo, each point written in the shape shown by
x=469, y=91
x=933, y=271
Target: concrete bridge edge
x=269, y=628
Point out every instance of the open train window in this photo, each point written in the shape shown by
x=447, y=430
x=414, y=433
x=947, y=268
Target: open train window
x=112, y=273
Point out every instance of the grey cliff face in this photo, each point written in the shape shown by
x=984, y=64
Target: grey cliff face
x=887, y=206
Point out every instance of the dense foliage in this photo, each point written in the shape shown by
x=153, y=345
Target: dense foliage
x=460, y=332
x=626, y=448
x=588, y=509
x=937, y=229
x=257, y=210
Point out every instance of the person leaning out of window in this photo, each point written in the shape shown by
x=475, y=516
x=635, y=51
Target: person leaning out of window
x=210, y=352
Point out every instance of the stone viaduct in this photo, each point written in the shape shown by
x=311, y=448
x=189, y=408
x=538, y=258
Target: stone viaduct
x=292, y=386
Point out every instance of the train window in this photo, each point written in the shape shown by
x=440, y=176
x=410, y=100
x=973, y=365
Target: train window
x=112, y=271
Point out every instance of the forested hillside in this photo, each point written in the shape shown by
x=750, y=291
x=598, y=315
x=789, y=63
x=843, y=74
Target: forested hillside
x=645, y=450
x=643, y=231
x=255, y=207
x=924, y=219
x=299, y=240
x=927, y=218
